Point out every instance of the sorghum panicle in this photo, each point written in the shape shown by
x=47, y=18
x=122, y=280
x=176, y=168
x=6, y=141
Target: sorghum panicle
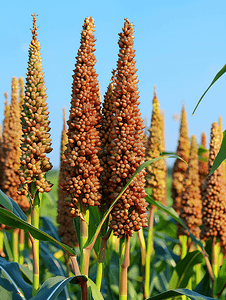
x=191, y=202
x=203, y=162
x=157, y=171
x=10, y=175
x=66, y=229
x=180, y=167
x=213, y=196
x=81, y=167
x=36, y=140
x=126, y=143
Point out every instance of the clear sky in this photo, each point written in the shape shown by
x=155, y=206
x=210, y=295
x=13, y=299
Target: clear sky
x=180, y=46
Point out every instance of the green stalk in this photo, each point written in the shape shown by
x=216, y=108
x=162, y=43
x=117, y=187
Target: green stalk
x=184, y=248
x=215, y=255
x=184, y=240
x=140, y=234
x=1, y=243
x=125, y=262
x=35, y=245
x=21, y=247
x=100, y=263
x=15, y=245
x=84, y=260
x=198, y=268
x=149, y=253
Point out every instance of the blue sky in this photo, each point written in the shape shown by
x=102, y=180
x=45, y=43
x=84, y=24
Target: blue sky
x=180, y=46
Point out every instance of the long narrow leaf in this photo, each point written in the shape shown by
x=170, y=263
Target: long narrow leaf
x=90, y=242
x=219, y=74
x=52, y=287
x=10, y=219
x=11, y=205
x=178, y=292
x=221, y=156
x=13, y=273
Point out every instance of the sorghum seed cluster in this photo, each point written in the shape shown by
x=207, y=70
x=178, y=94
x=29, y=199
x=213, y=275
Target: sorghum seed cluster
x=81, y=167
x=213, y=196
x=180, y=167
x=125, y=145
x=157, y=171
x=191, y=202
x=66, y=229
x=36, y=140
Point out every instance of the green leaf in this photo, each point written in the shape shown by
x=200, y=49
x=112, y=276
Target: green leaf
x=27, y=273
x=4, y=201
x=221, y=280
x=178, y=292
x=89, y=242
x=219, y=74
x=11, y=205
x=171, y=212
x=13, y=273
x=221, y=156
x=96, y=294
x=94, y=220
x=184, y=269
x=52, y=287
x=8, y=218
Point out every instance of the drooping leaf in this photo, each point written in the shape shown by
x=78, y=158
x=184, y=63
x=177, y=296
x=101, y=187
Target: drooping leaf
x=11, y=205
x=10, y=272
x=184, y=269
x=52, y=287
x=10, y=219
x=96, y=294
x=178, y=292
x=89, y=242
x=221, y=156
x=171, y=212
x=163, y=251
x=219, y=74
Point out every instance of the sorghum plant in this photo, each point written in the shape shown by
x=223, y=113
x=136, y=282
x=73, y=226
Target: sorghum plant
x=126, y=146
x=81, y=168
x=156, y=178
x=180, y=167
x=213, y=201
x=191, y=203
x=36, y=142
x=203, y=161
x=213, y=198
x=11, y=180
x=66, y=229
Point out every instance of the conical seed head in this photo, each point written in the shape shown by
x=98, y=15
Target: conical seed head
x=36, y=142
x=191, y=204
x=180, y=167
x=81, y=166
x=213, y=196
x=156, y=177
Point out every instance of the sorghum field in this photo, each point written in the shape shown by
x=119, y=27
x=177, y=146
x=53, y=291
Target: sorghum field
x=113, y=222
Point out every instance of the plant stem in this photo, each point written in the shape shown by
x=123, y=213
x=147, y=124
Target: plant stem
x=184, y=248
x=124, y=251
x=140, y=234
x=215, y=254
x=1, y=243
x=84, y=260
x=101, y=258
x=21, y=247
x=197, y=273
x=35, y=245
x=15, y=245
x=149, y=253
